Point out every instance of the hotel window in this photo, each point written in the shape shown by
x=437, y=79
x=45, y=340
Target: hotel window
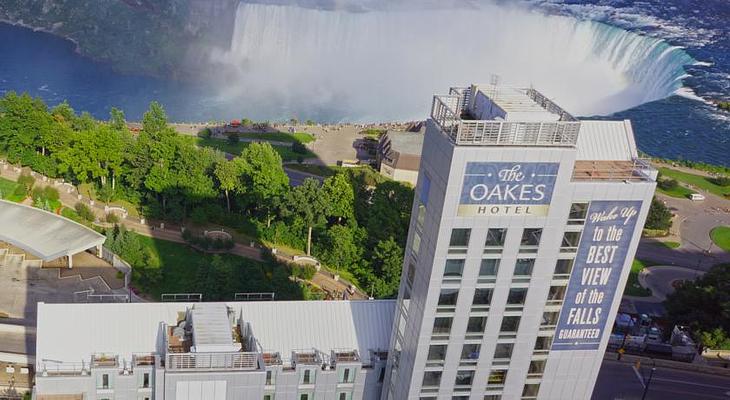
x=447, y=300
x=411, y=272
x=146, y=380
x=306, y=396
x=104, y=381
x=344, y=396
x=269, y=377
x=442, y=326
x=563, y=268
x=516, y=299
x=530, y=240
x=453, y=270
x=347, y=375
x=549, y=320
x=503, y=353
x=523, y=269
x=495, y=240
x=459, y=241
x=536, y=369
x=464, y=378
x=510, y=325
x=475, y=326
x=436, y=355
x=542, y=344
x=488, y=270
x=307, y=377
x=269, y=396
x=482, y=299
x=496, y=378
x=570, y=242
x=578, y=212
x=530, y=391
x=421, y=216
x=556, y=295
x=416, y=247
x=492, y=397
x=470, y=353
x=431, y=379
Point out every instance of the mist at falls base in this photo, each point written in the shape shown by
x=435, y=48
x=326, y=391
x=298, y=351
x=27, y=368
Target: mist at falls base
x=385, y=65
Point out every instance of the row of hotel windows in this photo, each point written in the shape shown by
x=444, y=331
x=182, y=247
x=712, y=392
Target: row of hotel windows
x=530, y=241
x=307, y=376
x=310, y=396
x=502, y=353
x=454, y=269
x=483, y=297
x=495, y=381
x=475, y=326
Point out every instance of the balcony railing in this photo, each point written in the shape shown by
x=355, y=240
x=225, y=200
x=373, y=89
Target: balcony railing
x=447, y=111
x=634, y=170
x=212, y=361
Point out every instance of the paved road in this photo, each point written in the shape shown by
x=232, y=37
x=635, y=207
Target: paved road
x=621, y=381
x=661, y=279
x=297, y=177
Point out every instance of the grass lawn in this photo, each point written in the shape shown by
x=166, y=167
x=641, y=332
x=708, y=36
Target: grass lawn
x=670, y=244
x=179, y=265
x=679, y=192
x=698, y=181
x=300, y=137
x=632, y=285
x=7, y=189
x=286, y=153
x=721, y=236
x=320, y=170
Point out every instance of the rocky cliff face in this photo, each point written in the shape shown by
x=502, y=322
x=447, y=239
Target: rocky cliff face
x=155, y=37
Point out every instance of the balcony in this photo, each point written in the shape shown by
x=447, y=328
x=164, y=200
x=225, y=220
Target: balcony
x=345, y=356
x=636, y=170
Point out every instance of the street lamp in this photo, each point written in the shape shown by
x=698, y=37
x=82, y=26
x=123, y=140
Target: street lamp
x=648, y=382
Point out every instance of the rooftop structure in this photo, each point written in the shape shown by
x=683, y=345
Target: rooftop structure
x=399, y=155
x=44, y=234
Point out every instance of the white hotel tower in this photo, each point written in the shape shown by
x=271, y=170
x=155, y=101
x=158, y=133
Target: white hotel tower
x=524, y=226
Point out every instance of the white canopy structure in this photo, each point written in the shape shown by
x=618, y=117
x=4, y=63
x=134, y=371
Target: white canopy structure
x=46, y=235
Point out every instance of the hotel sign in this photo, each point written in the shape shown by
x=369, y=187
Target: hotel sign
x=601, y=255
x=507, y=188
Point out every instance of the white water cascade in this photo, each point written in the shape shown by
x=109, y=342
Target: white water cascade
x=385, y=65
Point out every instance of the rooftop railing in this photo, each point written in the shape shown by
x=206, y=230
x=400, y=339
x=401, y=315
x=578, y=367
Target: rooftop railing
x=634, y=170
x=450, y=112
x=345, y=356
x=212, y=361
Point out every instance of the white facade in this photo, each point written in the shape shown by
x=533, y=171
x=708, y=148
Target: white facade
x=499, y=203
x=323, y=350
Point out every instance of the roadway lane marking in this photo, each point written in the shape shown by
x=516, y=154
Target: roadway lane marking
x=638, y=376
x=690, y=383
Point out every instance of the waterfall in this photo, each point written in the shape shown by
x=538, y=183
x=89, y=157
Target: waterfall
x=386, y=64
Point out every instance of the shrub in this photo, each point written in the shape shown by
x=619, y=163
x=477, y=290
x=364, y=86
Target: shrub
x=299, y=148
x=51, y=193
x=233, y=138
x=84, y=212
x=667, y=184
x=26, y=181
x=659, y=216
x=205, y=133
x=111, y=218
x=720, y=180
x=305, y=272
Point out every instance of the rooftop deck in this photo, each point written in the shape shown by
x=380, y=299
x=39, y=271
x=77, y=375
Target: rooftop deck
x=636, y=170
x=452, y=113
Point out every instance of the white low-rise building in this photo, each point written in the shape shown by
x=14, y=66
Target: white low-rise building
x=284, y=350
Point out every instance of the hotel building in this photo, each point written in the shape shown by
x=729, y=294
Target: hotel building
x=523, y=230
x=524, y=226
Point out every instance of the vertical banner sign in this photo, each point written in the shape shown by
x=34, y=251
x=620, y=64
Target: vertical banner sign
x=507, y=188
x=602, y=252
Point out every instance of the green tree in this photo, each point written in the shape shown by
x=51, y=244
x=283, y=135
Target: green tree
x=154, y=121
x=117, y=120
x=703, y=304
x=387, y=262
x=660, y=217
x=228, y=175
x=339, y=196
x=389, y=212
x=341, y=247
x=263, y=177
x=307, y=203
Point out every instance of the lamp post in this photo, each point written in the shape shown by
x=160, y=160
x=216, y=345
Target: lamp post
x=648, y=382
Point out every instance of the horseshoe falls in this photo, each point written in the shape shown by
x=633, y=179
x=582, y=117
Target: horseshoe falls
x=377, y=65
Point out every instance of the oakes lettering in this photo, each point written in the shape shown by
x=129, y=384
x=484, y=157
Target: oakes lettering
x=503, y=188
